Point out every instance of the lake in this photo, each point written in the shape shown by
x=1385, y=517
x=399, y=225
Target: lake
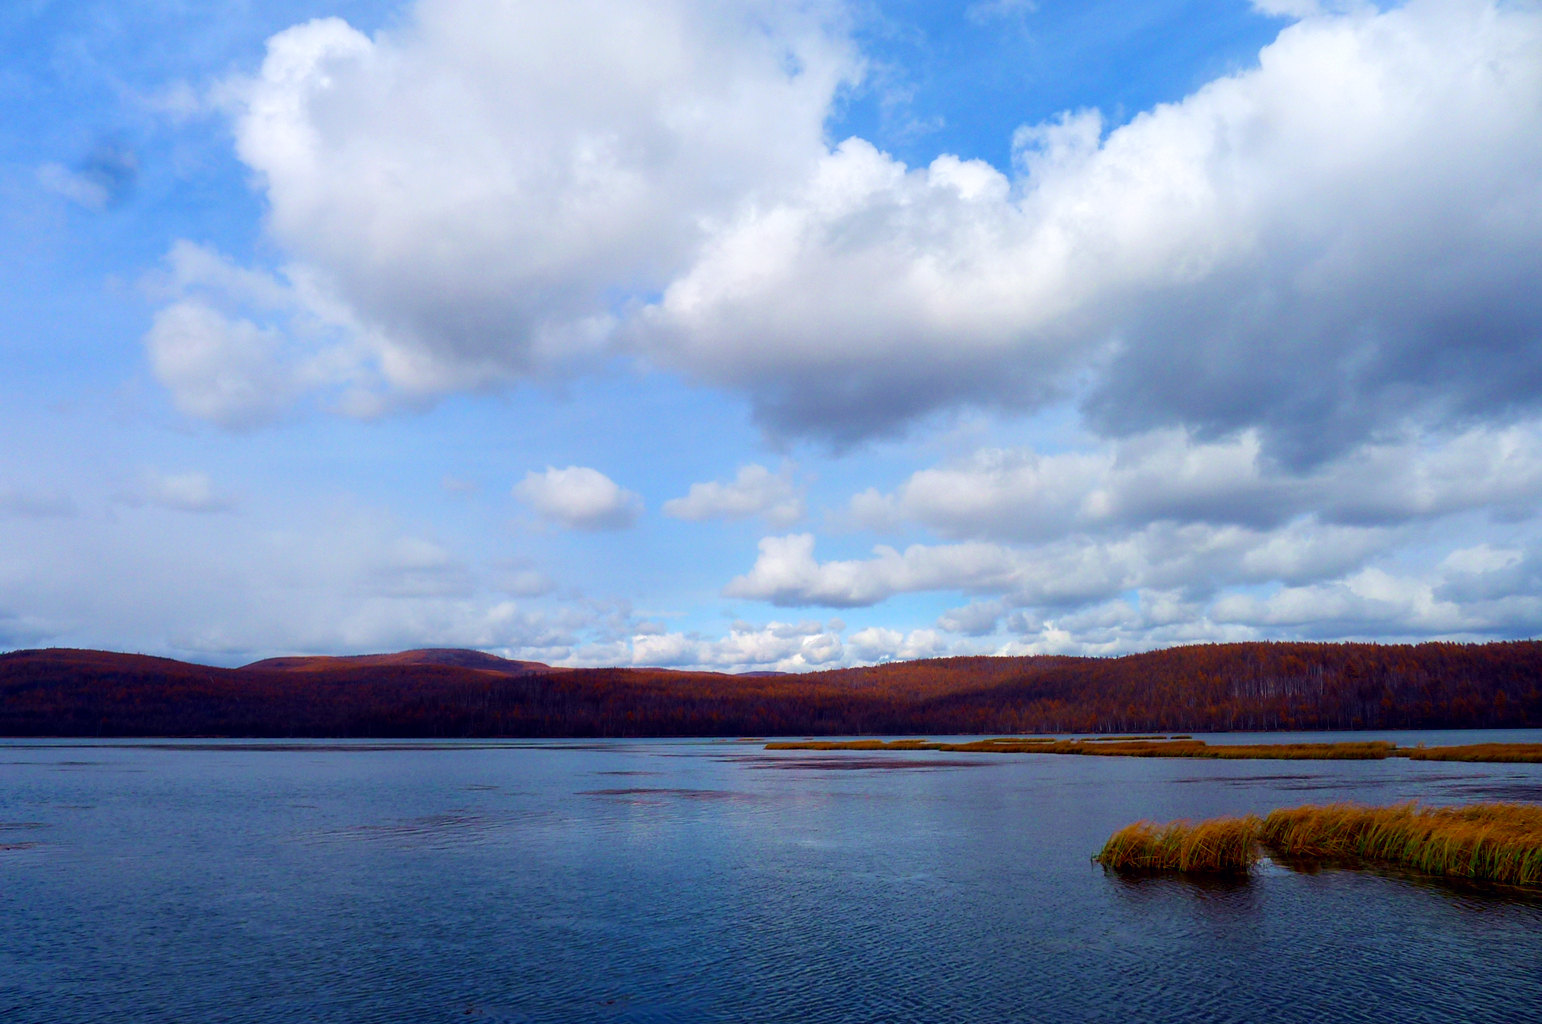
x=695, y=880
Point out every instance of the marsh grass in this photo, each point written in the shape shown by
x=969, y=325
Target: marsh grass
x=998, y=745
x=1493, y=842
x=1360, y=751
x=1003, y=745
x=1370, y=750
x=1491, y=752
x=1126, y=739
x=1218, y=846
x=1482, y=842
x=854, y=745
x=1183, y=746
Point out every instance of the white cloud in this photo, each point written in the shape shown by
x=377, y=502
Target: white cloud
x=320, y=579
x=1068, y=572
x=1287, y=8
x=977, y=618
x=754, y=491
x=1369, y=602
x=1296, y=9
x=1168, y=475
x=876, y=644
x=185, y=492
x=579, y=498
x=1328, y=246
x=104, y=178
x=469, y=190
x=77, y=189
x=223, y=370
x=237, y=347
x=1303, y=248
x=785, y=573
x=524, y=581
x=775, y=646
x=407, y=566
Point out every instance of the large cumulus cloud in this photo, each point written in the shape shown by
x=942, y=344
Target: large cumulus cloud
x=1329, y=245
x=483, y=192
x=1333, y=245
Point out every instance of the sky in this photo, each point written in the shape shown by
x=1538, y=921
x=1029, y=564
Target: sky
x=754, y=335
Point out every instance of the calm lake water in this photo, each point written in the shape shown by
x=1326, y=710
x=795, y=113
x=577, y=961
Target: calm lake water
x=711, y=881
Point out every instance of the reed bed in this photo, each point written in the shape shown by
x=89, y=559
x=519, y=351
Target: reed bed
x=1218, y=846
x=1492, y=842
x=1180, y=746
x=1483, y=842
x=1372, y=750
x=998, y=745
x=1492, y=752
x=1126, y=739
x=854, y=745
x=1359, y=751
x=1131, y=748
x=1017, y=745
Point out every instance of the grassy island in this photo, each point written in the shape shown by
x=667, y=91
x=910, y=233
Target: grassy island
x=1492, y=842
x=1182, y=746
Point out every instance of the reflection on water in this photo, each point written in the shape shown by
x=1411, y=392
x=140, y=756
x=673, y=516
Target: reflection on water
x=857, y=763
x=1224, y=903
x=704, y=881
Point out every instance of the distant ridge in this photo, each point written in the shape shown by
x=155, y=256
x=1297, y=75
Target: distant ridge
x=458, y=657
x=464, y=693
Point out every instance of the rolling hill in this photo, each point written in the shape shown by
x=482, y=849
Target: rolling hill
x=458, y=693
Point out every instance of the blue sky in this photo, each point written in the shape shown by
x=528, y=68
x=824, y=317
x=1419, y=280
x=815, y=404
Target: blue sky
x=761, y=335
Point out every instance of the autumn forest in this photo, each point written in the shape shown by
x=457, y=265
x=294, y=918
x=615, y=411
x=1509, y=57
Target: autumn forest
x=449, y=693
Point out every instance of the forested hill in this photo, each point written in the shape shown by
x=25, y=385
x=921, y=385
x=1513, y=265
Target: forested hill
x=447, y=693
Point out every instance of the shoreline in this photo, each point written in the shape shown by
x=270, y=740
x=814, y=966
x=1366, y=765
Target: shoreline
x=1186, y=747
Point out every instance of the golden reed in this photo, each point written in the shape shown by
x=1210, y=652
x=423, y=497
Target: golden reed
x=1120, y=746
x=1219, y=846
x=1493, y=842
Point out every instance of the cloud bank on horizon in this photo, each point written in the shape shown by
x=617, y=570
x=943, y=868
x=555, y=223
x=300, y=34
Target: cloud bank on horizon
x=1261, y=360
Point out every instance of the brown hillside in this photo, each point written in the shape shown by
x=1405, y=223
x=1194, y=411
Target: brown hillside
x=456, y=657
x=430, y=693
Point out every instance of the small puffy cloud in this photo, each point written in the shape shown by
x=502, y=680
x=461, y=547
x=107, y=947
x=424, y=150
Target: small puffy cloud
x=977, y=618
x=185, y=492
x=415, y=567
x=218, y=369
x=103, y=179
x=579, y=498
x=876, y=644
x=238, y=347
x=523, y=581
x=754, y=491
x=775, y=646
x=666, y=650
x=786, y=573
